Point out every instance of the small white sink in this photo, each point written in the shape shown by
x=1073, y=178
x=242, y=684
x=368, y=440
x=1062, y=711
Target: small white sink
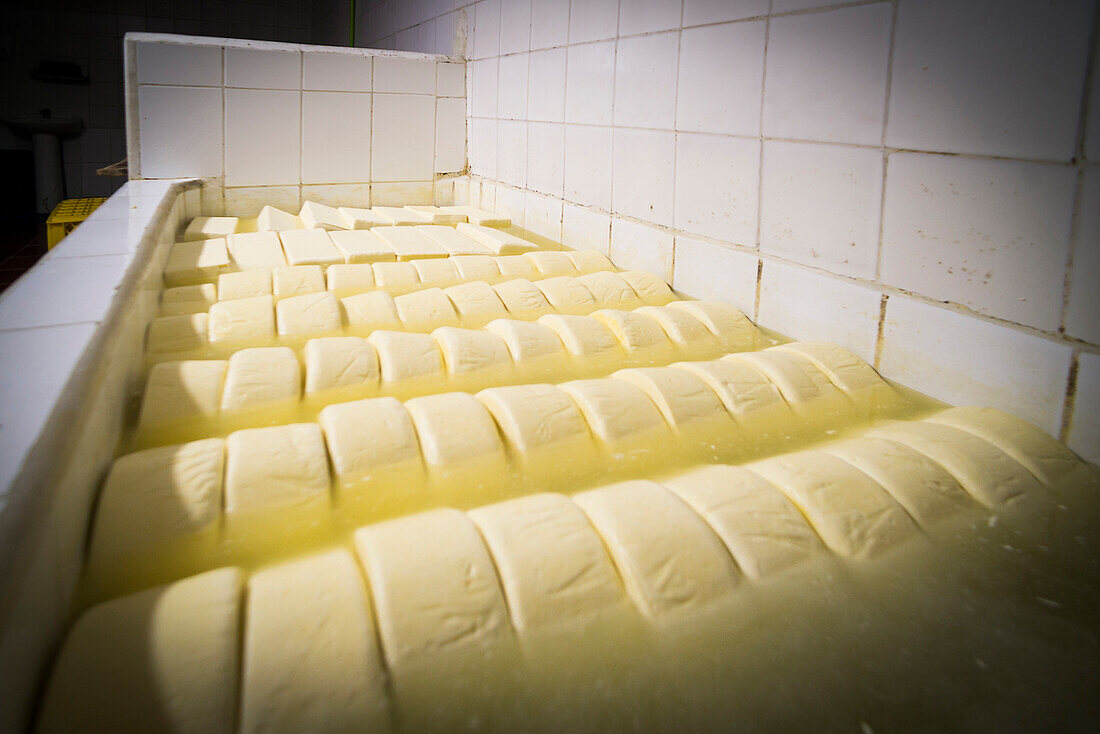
x=38, y=124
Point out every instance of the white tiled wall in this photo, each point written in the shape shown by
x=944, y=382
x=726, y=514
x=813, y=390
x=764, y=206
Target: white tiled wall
x=280, y=123
x=867, y=172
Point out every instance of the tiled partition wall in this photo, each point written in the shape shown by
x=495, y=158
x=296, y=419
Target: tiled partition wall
x=916, y=179
x=278, y=123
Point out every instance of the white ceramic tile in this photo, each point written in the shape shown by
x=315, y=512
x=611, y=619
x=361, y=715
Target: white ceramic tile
x=1084, y=425
x=588, y=158
x=262, y=137
x=717, y=186
x=994, y=77
x=721, y=76
x=512, y=87
x=546, y=86
x=483, y=147
x=450, y=134
x=1083, y=308
x=645, y=81
x=400, y=193
x=715, y=272
x=584, y=229
x=549, y=23
x=338, y=72
x=593, y=20
x=542, y=216
x=697, y=12
x=804, y=304
x=213, y=200
x=180, y=131
x=179, y=63
x=87, y=284
x=403, y=137
x=966, y=360
x=638, y=247
x=263, y=69
x=989, y=234
x=515, y=26
x=545, y=153
x=820, y=205
x=486, y=25
x=826, y=77
x=642, y=174
x=350, y=194
x=483, y=88
x=447, y=36
x=247, y=201
x=1092, y=122
x=406, y=76
x=787, y=6
x=512, y=152
x=646, y=16
x=590, y=83
x=511, y=203
x=450, y=80
x=336, y=137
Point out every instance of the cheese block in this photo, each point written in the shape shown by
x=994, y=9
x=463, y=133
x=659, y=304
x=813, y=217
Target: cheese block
x=159, y=496
x=340, y=362
x=724, y=321
x=262, y=377
x=165, y=659
x=652, y=290
x=408, y=243
x=178, y=391
x=438, y=271
x=252, y=250
x=245, y=284
x=638, y=334
x=670, y=561
x=535, y=418
x=400, y=216
x=313, y=313
x=764, y=532
x=369, y=311
x=479, y=216
x=426, y=309
x=190, y=263
x=533, y=346
x=498, y=242
x=476, y=267
x=349, y=279
x=682, y=398
x=280, y=467
x=177, y=334
x=454, y=242
x=437, y=214
x=924, y=488
x=310, y=659
x=276, y=220
x=584, y=336
x=852, y=513
x=745, y=391
x=847, y=371
x=989, y=475
x=403, y=356
x=456, y=431
x=567, y=295
x=610, y=289
x=320, y=216
x=551, y=263
x=362, y=246
x=618, y=411
x=297, y=280
x=589, y=261
x=309, y=247
x=372, y=439
x=474, y=350
x=476, y=303
x=522, y=299
x=203, y=228
x=796, y=377
x=356, y=218
x=553, y=566
x=396, y=278
x=516, y=266
x=188, y=299
x=683, y=329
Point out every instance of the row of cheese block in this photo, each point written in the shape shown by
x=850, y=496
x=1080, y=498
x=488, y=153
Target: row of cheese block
x=315, y=215
x=202, y=261
x=395, y=278
x=261, y=321
x=469, y=448
x=369, y=638
x=261, y=384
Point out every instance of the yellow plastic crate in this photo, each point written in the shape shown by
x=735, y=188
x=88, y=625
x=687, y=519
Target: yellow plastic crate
x=66, y=215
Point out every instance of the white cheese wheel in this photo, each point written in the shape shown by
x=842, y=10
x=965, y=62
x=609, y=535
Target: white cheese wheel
x=276, y=468
x=362, y=246
x=251, y=250
x=245, y=284
x=245, y=320
x=309, y=247
x=321, y=216
x=297, y=280
x=309, y=315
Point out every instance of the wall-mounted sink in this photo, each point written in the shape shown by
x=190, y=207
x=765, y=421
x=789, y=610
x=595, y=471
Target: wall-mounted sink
x=45, y=130
x=27, y=126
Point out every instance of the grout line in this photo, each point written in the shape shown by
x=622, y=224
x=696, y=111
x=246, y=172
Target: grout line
x=1069, y=403
x=880, y=342
x=885, y=155
x=760, y=134
x=675, y=136
x=614, y=85
x=759, y=288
